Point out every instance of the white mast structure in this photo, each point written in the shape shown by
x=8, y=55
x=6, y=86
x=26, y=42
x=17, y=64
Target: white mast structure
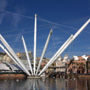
x=5, y=50
x=64, y=46
x=27, y=55
x=11, y=51
x=55, y=55
x=44, y=50
x=35, y=36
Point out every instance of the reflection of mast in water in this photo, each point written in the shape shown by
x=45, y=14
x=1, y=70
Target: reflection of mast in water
x=27, y=85
x=34, y=84
x=76, y=85
x=38, y=85
x=42, y=85
x=87, y=85
x=30, y=84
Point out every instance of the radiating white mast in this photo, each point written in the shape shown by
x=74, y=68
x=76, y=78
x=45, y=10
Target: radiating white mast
x=35, y=36
x=44, y=50
x=27, y=55
x=13, y=54
x=56, y=54
x=5, y=50
x=60, y=51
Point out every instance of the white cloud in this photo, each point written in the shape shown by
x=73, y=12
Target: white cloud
x=17, y=16
x=1, y=17
x=3, y=5
x=16, y=19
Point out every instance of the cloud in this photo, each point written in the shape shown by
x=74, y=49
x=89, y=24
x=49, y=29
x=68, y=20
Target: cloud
x=56, y=41
x=2, y=17
x=3, y=5
x=17, y=15
x=16, y=19
x=88, y=48
x=18, y=37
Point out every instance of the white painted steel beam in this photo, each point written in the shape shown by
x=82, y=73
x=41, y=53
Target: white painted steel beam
x=27, y=55
x=35, y=37
x=55, y=55
x=5, y=50
x=81, y=29
x=13, y=54
x=65, y=46
x=44, y=50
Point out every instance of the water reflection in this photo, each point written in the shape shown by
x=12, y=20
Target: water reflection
x=47, y=84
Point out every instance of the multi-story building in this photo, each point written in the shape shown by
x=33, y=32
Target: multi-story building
x=61, y=63
x=79, y=65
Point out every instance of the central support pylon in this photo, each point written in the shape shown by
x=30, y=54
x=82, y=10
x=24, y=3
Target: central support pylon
x=35, y=40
